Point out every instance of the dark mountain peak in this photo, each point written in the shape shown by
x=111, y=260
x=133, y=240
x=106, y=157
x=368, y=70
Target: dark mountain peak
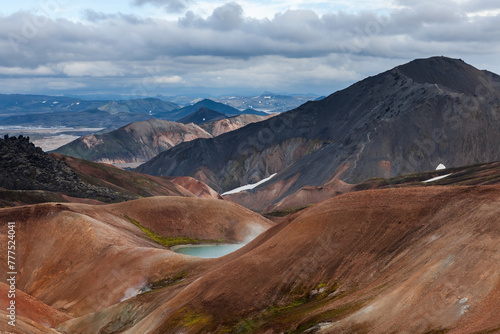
x=202, y=115
x=408, y=119
x=206, y=102
x=451, y=73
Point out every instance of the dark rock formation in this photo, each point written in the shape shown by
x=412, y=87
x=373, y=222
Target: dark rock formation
x=26, y=167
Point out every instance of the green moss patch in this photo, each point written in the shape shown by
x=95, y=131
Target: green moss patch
x=171, y=241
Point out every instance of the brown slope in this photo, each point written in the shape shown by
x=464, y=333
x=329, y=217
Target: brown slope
x=136, y=142
x=197, y=188
x=258, y=200
x=30, y=308
x=398, y=260
x=122, y=181
x=119, y=185
x=81, y=258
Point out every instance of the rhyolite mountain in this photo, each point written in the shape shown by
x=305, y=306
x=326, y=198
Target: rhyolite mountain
x=408, y=119
x=203, y=115
x=434, y=267
x=141, y=141
x=218, y=127
x=135, y=142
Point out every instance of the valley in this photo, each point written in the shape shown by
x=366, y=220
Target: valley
x=372, y=210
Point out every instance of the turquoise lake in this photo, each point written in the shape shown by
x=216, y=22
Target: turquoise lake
x=209, y=251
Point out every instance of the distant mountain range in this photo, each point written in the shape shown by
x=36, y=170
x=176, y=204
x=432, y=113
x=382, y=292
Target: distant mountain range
x=211, y=105
x=408, y=119
x=267, y=102
x=61, y=111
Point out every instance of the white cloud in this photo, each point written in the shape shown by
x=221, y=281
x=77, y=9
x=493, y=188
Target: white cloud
x=175, y=79
x=295, y=45
x=24, y=71
x=91, y=69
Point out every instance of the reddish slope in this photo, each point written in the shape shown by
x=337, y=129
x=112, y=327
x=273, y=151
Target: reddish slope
x=126, y=182
x=259, y=199
x=30, y=308
x=80, y=258
x=399, y=260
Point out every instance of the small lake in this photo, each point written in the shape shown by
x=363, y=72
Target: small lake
x=208, y=251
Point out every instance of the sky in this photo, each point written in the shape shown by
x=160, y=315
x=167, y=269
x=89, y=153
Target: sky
x=143, y=48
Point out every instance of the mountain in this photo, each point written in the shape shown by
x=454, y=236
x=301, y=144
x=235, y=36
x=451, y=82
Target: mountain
x=18, y=104
x=52, y=111
x=408, y=119
x=150, y=106
x=208, y=104
x=136, y=142
x=29, y=176
x=203, y=115
x=404, y=260
x=218, y=127
x=26, y=167
x=93, y=118
x=482, y=174
x=267, y=102
x=141, y=141
x=59, y=111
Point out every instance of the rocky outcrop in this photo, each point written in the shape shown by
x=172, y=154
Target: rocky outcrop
x=28, y=176
x=26, y=167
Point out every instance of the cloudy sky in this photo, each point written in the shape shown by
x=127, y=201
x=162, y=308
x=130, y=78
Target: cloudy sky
x=202, y=47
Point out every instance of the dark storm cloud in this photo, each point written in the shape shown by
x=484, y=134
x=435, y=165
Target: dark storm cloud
x=227, y=46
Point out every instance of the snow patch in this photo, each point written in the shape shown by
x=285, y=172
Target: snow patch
x=248, y=186
x=440, y=167
x=436, y=178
